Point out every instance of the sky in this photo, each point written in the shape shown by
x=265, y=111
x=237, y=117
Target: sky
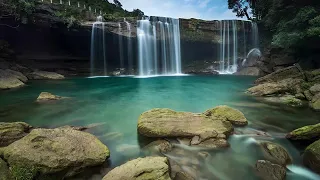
x=200, y=9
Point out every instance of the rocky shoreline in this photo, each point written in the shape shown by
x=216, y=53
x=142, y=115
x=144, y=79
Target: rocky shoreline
x=28, y=152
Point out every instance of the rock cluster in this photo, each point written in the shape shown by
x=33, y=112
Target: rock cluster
x=41, y=153
x=290, y=86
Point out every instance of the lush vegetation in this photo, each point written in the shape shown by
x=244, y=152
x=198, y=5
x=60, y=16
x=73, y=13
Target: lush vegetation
x=71, y=15
x=288, y=24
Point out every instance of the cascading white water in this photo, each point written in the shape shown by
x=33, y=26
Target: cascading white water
x=120, y=45
x=129, y=47
x=159, y=46
x=98, y=45
x=229, y=49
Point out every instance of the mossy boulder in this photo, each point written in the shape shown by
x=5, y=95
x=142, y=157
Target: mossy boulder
x=305, y=133
x=37, y=75
x=63, y=151
x=141, y=169
x=311, y=157
x=275, y=153
x=168, y=123
x=4, y=171
x=315, y=102
x=315, y=89
x=46, y=96
x=232, y=115
x=11, y=132
x=268, y=171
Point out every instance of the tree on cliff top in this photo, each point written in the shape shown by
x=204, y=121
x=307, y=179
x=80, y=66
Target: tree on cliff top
x=117, y=3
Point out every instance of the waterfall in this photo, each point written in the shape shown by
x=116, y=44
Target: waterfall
x=129, y=47
x=98, y=47
x=229, y=47
x=120, y=45
x=159, y=46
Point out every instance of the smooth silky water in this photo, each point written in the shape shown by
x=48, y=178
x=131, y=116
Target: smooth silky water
x=112, y=105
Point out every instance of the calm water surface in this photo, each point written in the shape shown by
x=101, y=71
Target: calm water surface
x=113, y=105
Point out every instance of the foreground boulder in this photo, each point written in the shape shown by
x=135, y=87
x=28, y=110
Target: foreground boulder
x=10, y=132
x=37, y=75
x=141, y=169
x=305, y=133
x=9, y=80
x=169, y=123
x=46, y=96
x=60, y=151
x=233, y=115
x=4, y=171
x=268, y=171
x=275, y=153
x=311, y=157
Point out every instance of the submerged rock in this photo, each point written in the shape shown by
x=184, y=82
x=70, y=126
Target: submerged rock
x=4, y=171
x=315, y=102
x=141, y=169
x=9, y=80
x=63, y=151
x=183, y=176
x=213, y=143
x=275, y=153
x=311, y=157
x=157, y=147
x=235, y=116
x=305, y=133
x=268, y=171
x=44, y=75
x=11, y=132
x=46, y=96
x=169, y=123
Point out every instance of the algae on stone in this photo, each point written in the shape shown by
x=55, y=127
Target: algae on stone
x=148, y=168
x=169, y=123
x=275, y=153
x=305, y=133
x=311, y=157
x=10, y=132
x=56, y=150
x=235, y=116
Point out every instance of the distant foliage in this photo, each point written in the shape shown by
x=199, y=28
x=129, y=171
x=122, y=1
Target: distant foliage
x=289, y=24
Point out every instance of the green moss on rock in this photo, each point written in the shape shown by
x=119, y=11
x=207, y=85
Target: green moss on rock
x=4, y=171
x=311, y=156
x=235, y=116
x=305, y=133
x=24, y=172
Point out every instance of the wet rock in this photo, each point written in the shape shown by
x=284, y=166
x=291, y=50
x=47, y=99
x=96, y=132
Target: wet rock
x=183, y=176
x=207, y=135
x=37, y=75
x=157, y=147
x=250, y=71
x=235, y=116
x=305, y=133
x=268, y=171
x=315, y=102
x=272, y=88
x=9, y=80
x=61, y=150
x=18, y=75
x=285, y=73
x=315, y=89
x=308, y=95
x=213, y=143
x=300, y=96
x=286, y=99
x=11, y=132
x=141, y=169
x=4, y=171
x=275, y=153
x=46, y=96
x=311, y=157
x=169, y=123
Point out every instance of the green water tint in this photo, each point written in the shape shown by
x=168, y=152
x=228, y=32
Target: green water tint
x=113, y=105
